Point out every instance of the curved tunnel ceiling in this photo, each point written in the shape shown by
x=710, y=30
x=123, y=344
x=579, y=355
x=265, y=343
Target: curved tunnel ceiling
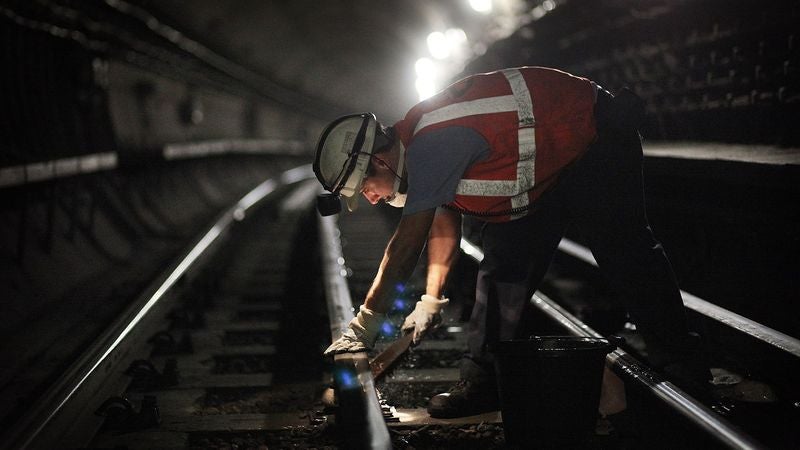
x=357, y=55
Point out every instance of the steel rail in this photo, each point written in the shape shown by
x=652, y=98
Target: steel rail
x=738, y=322
x=87, y=380
x=630, y=369
x=359, y=411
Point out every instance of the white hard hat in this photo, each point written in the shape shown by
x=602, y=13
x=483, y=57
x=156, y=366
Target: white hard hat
x=343, y=153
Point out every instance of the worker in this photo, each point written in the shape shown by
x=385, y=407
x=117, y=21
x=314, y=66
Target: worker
x=528, y=151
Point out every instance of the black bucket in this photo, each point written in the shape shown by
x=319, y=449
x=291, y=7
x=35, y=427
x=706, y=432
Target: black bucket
x=550, y=389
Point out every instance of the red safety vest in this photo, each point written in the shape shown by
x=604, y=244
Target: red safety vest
x=536, y=120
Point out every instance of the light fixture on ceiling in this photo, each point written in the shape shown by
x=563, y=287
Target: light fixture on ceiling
x=481, y=6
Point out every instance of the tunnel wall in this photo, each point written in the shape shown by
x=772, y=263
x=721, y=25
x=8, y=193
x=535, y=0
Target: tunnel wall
x=91, y=99
x=91, y=77
x=149, y=111
x=91, y=94
x=51, y=105
x=711, y=70
x=92, y=208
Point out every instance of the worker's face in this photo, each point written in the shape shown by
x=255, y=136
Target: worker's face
x=378, y=182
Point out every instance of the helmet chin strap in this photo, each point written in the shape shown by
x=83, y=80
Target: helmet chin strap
x=398, y=199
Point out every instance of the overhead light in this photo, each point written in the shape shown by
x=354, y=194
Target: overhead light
x=438, y=45
x=481, y=6
x=426, y=77
x=425, y=88
x=541, y=10
x=425, y=68
x=455, y=36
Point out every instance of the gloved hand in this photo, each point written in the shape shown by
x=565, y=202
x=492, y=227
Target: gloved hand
x=426, y=315
x=361, y=333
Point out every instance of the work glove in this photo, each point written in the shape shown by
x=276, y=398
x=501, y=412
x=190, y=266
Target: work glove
x=361, y=333
x=426, y=315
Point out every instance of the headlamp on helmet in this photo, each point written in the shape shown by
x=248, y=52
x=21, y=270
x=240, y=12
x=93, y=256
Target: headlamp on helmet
x=342, y=158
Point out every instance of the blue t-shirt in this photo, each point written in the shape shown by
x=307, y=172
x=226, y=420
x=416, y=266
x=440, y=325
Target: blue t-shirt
x=436, y=161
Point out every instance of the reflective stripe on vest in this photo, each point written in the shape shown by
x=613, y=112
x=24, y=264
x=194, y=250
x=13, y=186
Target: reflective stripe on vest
x=519, y=101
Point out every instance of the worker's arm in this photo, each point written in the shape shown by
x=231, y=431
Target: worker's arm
x=399, y=259
x=398, y=263
x=443, y=244
x=443, y=241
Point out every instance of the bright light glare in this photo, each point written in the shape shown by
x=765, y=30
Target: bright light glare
x=425, y=88
x=455, y=37
x=425, y=68
x=481, y=6
x=426, y=76
x=541, y=10
x=438, y=45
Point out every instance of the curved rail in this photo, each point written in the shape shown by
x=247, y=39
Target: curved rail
x=88, y=379
x=740, y=323
x=634, y=371
x=359, y=409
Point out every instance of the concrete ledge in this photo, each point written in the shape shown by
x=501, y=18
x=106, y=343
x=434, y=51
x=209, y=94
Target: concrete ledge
x=714, y=151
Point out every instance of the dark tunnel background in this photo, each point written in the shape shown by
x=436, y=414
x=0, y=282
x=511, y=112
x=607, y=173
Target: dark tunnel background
x=122, y=138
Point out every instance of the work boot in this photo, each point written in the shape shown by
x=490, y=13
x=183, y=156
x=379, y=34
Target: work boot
x=690, y=376
x=688, y=368
x=466, y=398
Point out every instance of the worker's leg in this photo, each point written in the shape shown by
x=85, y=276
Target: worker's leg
x=607, y=202
x=517, y=255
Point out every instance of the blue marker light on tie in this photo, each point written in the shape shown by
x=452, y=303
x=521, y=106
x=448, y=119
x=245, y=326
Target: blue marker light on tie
x=399, y=304
x=387, y=328
x=400, y=287
x=346, y=379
